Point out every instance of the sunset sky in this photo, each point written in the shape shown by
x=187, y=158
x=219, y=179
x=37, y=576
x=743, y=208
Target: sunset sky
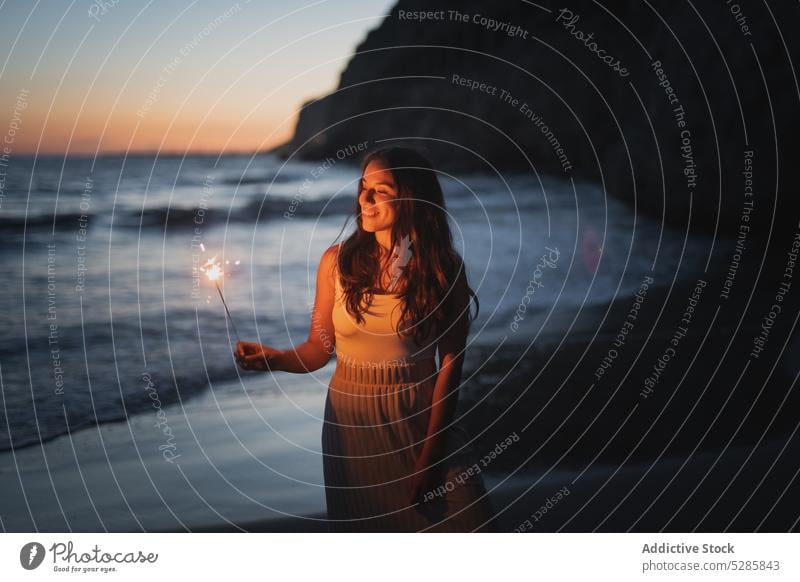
x=117, y=75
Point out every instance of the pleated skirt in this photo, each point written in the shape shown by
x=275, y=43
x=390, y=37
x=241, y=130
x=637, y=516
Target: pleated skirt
x=375, y=424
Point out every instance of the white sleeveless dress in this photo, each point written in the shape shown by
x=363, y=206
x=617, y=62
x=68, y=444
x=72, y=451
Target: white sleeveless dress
x=376, y=419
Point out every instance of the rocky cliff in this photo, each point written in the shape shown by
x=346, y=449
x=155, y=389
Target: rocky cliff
x=681, y=110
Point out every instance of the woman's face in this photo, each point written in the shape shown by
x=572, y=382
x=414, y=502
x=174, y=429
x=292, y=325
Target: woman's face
x=377, y=198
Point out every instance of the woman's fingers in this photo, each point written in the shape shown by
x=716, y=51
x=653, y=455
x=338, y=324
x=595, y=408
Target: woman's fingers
x=253, y=356
x=258, y=361
x=248, y=348
x=241, y=351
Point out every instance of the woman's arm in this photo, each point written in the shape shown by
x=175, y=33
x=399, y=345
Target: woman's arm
x=451, y=348
x=317, y=350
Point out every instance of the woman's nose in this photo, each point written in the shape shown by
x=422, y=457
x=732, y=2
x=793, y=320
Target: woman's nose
x=367, y=195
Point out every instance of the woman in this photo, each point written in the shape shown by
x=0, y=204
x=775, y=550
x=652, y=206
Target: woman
x=388, y=298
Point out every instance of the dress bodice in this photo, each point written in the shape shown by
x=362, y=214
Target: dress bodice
x=376, y=339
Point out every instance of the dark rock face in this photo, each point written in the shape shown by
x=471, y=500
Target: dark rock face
x=657, y=102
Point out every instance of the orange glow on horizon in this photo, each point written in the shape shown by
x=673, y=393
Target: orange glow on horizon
x=91, y=134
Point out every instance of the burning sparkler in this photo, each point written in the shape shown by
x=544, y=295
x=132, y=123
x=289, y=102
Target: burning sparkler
x=214, y=272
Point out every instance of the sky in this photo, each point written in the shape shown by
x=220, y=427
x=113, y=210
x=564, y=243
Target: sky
x=86, y=76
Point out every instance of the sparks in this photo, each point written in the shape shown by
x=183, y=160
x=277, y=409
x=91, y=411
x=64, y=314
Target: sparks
x=212, y=269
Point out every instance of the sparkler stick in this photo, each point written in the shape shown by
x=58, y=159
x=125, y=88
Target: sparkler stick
x=214, y=272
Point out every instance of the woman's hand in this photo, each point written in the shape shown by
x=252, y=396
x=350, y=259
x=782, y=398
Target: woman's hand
x=255, y=356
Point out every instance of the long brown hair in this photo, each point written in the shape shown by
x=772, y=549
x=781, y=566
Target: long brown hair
x=434, y=265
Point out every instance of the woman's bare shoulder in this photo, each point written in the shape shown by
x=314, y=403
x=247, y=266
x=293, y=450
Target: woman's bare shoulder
x=330, y=257
x=331, y=253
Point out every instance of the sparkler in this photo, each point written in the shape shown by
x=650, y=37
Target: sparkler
x=214, y=272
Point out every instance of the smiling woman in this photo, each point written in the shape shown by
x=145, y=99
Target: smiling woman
x=390, y=438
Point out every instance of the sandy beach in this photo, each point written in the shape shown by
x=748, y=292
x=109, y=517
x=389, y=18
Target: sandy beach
x=232, y=455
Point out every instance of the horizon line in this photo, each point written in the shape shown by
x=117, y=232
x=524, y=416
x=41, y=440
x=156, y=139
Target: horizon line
x=145, y=153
